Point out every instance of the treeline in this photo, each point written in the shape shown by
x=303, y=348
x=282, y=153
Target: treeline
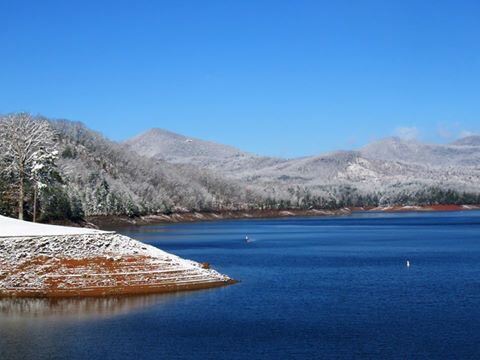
x=337, y=197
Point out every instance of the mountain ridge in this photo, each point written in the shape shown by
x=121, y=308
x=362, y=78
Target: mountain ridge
x=397, y=168
x=149, y=144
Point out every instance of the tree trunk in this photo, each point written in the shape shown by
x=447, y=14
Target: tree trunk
x=35, y=191
x=21, y=195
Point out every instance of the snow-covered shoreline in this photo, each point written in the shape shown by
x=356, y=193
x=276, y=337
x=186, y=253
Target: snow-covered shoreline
x=52, y=261
x=15, y=228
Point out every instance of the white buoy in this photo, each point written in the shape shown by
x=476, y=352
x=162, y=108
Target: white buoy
x=408, y=263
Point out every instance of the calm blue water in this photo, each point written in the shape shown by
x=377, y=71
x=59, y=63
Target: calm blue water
x=310, y=288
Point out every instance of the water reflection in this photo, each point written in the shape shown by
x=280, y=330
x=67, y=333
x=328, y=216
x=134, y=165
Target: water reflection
x=80, y=308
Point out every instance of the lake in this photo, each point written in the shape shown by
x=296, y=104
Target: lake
x=309, y=288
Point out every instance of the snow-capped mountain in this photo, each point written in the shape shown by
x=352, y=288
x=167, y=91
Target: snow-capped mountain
x=391, y=159
x=179, y=149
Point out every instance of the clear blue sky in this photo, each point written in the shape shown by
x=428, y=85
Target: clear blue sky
x=286, y=78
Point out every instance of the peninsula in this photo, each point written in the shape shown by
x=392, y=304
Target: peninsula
x=38, y=260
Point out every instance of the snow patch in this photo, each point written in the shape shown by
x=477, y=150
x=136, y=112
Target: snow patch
x=17, y=228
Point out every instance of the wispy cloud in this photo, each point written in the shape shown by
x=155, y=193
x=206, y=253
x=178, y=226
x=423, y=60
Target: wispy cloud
x=407, y=132
x=446, y=131
x=352, y=141
x=452, y=130
x=465, y=133
x=449, y=130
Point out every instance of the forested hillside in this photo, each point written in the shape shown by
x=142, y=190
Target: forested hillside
x=96, y=176
x=73, y=172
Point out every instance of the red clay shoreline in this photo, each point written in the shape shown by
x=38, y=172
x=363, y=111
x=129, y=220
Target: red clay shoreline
x=115, y=222
x=100, y=277
x=96, y=265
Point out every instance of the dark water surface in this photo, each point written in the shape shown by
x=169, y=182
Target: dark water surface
x=310, y=288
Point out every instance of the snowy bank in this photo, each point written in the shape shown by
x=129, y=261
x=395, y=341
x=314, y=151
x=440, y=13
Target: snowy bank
x=12, y=228
x=53, y=261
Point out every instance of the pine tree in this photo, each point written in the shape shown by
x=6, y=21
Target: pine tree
x=21, y=138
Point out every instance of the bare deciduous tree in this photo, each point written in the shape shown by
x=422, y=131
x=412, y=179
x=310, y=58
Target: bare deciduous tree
x=21, y=139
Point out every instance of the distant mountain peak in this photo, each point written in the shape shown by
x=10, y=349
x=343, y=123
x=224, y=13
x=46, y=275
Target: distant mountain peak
x=471, y=140
x=158, y=132
x=175, y=147
x=394, y=140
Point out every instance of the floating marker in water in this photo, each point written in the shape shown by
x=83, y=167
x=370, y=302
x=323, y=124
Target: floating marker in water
x=408, y=263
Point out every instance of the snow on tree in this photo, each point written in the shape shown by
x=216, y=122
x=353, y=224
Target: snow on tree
x=25, y=144
x=42, y=173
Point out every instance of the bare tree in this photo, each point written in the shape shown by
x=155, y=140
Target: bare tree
x=21, y=139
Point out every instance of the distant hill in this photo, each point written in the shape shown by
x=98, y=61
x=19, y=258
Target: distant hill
x=473, y=140
x=455, y=154
x=179, y=149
